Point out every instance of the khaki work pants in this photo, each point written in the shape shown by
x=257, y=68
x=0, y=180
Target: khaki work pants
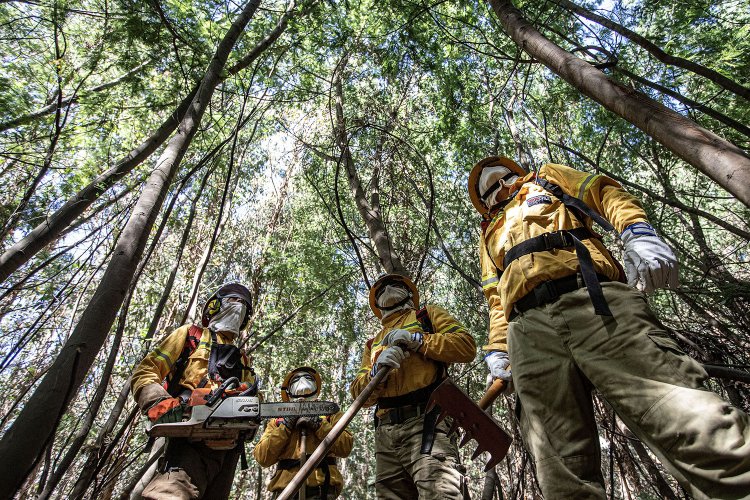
x=402, y=472
x=193, y=471
x=560, y=351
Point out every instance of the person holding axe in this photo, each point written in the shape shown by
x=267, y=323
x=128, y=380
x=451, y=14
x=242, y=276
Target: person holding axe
x=194, y=357
x=565, y=317
x=287, y=441
x=414, y=457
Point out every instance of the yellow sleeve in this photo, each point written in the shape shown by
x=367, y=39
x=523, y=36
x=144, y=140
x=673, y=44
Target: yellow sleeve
x=363, y=378
x=603, y=194
x=450, y=342
x=343, y=444
x=497, y=339
x=272, y=443
x=158, y=363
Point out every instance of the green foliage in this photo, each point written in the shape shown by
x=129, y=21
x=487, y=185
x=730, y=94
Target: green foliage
x=429, y=89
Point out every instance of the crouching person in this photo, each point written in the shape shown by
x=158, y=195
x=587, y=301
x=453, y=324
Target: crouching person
x=282, y=443
x=191, y=357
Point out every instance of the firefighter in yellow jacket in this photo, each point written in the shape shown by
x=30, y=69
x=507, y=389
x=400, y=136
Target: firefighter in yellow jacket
x=282, y=439
x=566, y=317
x=414, y=457
x=192, y=357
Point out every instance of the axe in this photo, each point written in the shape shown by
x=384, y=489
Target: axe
x=477, y=424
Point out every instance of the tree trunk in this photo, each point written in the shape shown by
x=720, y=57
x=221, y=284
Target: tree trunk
x=36, y=424
x=720, y=160
x=657, y=52
x=372, y=218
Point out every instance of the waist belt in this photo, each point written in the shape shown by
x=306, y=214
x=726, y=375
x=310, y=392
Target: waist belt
x=413, y=398
x=401, y=414
x=550, y=291
x=291, y=463
x=565, y=239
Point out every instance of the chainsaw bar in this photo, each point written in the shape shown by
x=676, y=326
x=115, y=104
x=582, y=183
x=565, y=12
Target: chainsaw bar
x=237, y=414
x=298, y=409
x=478, y=425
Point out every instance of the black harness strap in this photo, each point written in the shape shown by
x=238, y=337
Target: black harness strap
x=568, y=238
x=578, y=205
x=545, y=242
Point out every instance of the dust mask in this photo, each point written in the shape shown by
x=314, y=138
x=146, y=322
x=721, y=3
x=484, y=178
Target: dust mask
x=229, y=318
x=392, y=299
x=302, y=386
x=492, y=180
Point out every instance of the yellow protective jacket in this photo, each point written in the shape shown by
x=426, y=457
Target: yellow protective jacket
x=450, y=343
x=159, y=362
x=278, y=443
x=532, y=212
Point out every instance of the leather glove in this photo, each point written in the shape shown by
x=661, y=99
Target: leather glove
x=649, y=262
x=392, y=356
x=498, y=362
x=290, y=422
x=311, y=423
x=404, y=338
x=166, y=412
x=151, y=394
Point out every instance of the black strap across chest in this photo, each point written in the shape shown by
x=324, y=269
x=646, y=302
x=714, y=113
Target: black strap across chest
x=567, y=238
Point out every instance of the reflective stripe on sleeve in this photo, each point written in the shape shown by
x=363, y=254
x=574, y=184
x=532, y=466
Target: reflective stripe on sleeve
x=585, y=184
x=489, y=282
x=160, y=356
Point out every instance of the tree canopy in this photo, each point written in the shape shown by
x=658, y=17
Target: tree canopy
x=154, y=150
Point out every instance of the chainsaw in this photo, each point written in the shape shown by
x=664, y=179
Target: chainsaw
x=224, y=412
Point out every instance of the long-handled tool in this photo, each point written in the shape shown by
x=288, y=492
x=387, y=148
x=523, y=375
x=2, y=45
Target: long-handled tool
x=471, y=417
x=302, y=456
x=322, y=450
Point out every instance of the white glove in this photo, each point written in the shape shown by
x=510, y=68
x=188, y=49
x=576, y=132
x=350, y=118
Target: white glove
x=497, y=362
x=405, y=338
x=649, y=262
x=391, y=356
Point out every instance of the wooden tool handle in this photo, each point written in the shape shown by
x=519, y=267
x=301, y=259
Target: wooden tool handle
x=320, y=452
x=497, y=387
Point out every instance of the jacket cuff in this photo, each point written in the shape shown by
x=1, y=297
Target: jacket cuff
x=151, y=394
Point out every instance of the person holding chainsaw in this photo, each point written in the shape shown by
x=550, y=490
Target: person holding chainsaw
x=282, y=442
x=193, y=358
x=414, y=456
x=565, y=317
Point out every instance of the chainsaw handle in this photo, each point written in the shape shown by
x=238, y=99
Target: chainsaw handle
x=497, y=388
x=219, y=392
